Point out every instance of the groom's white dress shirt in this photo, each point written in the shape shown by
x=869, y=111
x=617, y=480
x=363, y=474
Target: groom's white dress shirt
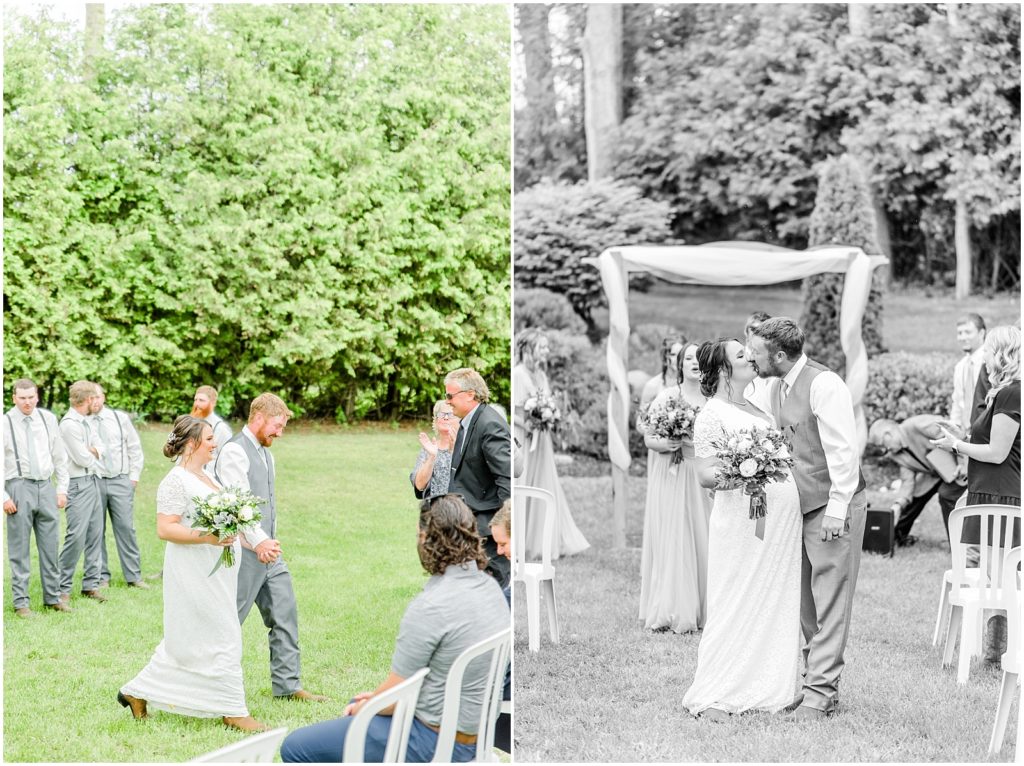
x=832, y=405
x=233, y=468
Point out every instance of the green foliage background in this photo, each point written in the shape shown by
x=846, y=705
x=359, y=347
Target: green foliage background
x=309, y=199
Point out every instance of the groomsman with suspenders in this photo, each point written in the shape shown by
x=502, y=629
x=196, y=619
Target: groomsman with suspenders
x=33, y=457
x=122, y=467
x=84, y=513
x=263, y=577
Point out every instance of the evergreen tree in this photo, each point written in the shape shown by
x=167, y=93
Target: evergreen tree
x=842, y=215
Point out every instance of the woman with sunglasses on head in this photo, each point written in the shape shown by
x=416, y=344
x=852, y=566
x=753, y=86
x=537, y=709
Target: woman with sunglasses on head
x=530, y=379
x=433, y=470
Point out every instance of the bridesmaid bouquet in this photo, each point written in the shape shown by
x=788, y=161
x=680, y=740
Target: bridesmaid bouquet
x=754, y=456
x=225, y=513
x=542, y=414
x=670, y=418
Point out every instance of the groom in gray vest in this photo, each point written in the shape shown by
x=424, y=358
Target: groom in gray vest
x=263, y=577
x=814, y=404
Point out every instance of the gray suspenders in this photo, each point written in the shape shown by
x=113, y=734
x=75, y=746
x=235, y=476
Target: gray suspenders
x=14, y=440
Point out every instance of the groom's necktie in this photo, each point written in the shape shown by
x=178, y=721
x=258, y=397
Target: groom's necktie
x=780, y=395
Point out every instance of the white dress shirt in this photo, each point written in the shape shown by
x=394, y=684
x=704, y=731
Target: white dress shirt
x=125, y=453
x=47, y=445
x=832, y=405
x=464, y=427
x=79, y=435
x=221, y=430
x=233, y=471
x=965, y=376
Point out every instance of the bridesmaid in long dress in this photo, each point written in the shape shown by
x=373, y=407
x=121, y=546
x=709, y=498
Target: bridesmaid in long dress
x=529, y=377
x=674, y=556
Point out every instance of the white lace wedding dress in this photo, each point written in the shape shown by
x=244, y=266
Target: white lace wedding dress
x=749, y=653
x=197, y=669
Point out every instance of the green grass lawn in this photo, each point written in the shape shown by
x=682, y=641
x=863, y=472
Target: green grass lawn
x=612, y=691
x=911, y=320
x=347, y=523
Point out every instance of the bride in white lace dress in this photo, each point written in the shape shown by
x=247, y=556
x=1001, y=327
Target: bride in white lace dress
x=196, y=669
x=749, y=653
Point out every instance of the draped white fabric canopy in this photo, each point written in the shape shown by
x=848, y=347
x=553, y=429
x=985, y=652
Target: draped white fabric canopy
x=728, y=264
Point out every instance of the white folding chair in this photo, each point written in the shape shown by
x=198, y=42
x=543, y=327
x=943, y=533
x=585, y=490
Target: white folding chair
x=259, y=748
x=403, y=696
x=1011, y=660
x=973, y=574
x=531, y=502
x=499, y=646
x=970, y=596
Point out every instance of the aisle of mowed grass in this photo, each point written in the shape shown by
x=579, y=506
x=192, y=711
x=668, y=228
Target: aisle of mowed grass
x=612, y=691
x=347, y=525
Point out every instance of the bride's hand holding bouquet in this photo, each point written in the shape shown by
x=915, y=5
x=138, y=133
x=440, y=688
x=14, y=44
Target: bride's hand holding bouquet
x=225, y=514
x=750, y=459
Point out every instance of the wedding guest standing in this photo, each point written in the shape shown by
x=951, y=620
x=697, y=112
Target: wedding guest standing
x=460, y=606
x=33, y=459
x=263, y=577
x=674, y=555
x=671, y=345
x=203, y=404
x=970, y=334
x=433, y=470
x=481, y=458
x=122, y=466
x=529, y=380
x=196, y=669
x=84, y=513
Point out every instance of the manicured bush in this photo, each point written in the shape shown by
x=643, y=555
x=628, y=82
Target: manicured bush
x=536, y=307
x=902, y=384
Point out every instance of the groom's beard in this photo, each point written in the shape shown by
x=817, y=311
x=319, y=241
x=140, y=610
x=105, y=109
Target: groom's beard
x=771, y=371
x=199, y=413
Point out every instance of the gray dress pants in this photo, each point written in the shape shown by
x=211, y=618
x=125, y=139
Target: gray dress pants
x=829, y=579
x=269, y=586
x=84, y=533
x=117, y=498
x=37, y=511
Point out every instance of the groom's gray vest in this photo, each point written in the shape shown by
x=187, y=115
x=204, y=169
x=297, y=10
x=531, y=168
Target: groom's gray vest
x=261, y=480
x=810, y=471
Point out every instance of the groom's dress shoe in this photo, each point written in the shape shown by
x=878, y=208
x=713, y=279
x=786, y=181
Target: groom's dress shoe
x=245, y=724
x=805, y=713
x=137, y=706
x=303, y=696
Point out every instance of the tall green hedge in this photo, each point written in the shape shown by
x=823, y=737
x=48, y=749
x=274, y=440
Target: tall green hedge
x=308, y=199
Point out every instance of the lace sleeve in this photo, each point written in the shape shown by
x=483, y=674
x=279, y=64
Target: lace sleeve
x=170, y=496
x=707, y=427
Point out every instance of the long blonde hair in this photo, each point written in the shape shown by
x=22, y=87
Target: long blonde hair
x=1003, y=347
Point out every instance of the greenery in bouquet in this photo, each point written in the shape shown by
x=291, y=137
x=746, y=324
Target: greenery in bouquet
x=226, y=513
x=753, y=457
x=542, y=414
x=669, y=418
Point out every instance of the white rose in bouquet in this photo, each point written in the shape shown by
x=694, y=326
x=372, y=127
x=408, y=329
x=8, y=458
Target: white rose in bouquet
x=748, y=467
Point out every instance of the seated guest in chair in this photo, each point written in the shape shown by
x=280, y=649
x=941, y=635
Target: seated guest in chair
x=460, y=606
x=908, y=444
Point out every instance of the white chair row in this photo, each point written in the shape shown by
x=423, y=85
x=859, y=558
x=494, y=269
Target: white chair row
x=535, y=506
x=262, y=748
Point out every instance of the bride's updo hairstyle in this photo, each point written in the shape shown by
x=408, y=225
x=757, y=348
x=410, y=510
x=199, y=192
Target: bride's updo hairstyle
x=713, y=360
x=187, y=430
x=526, y=342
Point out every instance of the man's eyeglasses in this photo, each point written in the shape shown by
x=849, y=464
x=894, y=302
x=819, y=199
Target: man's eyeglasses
x=448, y=397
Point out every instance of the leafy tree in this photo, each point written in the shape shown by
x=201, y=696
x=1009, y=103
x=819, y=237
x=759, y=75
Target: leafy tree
x=842, y=215
x=556, y=226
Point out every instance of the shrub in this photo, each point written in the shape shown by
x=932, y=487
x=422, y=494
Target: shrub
x=842, y=215
x=902, y=384
x=557, y=225
x=536, y=307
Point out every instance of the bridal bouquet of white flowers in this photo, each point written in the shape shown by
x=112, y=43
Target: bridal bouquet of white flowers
x=669, y=418
x=542, y=414
x=226, y=513
x=753, y=457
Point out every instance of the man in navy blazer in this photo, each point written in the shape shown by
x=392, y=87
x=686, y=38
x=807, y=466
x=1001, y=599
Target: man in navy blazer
x=481, y=458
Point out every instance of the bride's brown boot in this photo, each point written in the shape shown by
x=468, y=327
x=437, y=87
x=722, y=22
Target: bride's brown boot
x=248, y=723
x=137, y=706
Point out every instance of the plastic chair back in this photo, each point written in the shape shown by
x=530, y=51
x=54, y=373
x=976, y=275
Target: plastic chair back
x=403, y=696
x=259, y=748
x=996, y=534
x=1012, y=593
x=499, y=646
x=543, y=503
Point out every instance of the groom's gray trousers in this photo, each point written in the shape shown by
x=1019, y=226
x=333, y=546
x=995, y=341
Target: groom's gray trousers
x=829, y=579
x=269, y=586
